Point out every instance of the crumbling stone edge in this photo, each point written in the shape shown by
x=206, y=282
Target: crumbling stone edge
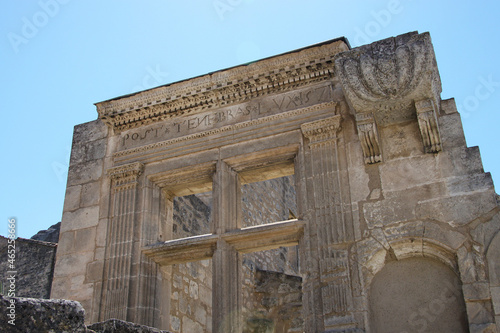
x=31, y=315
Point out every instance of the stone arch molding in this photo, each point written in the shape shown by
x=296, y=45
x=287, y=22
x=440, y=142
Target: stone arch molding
x=423, y=239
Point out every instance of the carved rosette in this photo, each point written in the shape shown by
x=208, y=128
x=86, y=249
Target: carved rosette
x=427, y=121
x=368, y=136
x=125, y=176
x=321, y=130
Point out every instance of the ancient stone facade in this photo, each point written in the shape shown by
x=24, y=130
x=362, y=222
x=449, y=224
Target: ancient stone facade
x=386, y=190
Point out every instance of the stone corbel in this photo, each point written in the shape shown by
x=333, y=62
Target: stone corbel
x=427, y=121
x=368, y=136
x=321, y=130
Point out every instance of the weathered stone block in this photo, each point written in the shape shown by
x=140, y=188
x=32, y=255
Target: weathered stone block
x=73, y=264
x=94, y=271
x=88, y=151
x=457, y=210
x=35, y=316
x=401, y=141
x=84, y=240
x=90, y=194
x=90, y=131
x=478, y=291
x=72, y=198
x=66, y=242
x=494, y=263
x=33, y=263
x=479, y=312
x=84, y=172
x=470, y=183
x=83, y=218
x=452, y=133
x=403, y=174
x=189, y=325
x=495, y=298
x=483, y=328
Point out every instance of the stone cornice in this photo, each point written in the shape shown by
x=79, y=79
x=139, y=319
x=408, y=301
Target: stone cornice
x=277, y=74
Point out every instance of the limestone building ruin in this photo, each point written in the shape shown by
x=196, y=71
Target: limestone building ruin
x=328, y=189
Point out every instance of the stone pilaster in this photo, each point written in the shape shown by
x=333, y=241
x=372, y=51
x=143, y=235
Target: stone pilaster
x=226, y=261
x=330, y=213
x=120, y=241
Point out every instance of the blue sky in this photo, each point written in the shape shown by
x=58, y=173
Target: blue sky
x=58, y=57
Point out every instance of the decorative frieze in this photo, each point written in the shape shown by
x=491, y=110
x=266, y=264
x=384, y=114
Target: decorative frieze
x=368, y=136
x=429, y=128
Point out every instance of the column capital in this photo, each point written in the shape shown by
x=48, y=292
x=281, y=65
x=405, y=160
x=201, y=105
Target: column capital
x=321, y=130
x=127, y=170
x=125, y=176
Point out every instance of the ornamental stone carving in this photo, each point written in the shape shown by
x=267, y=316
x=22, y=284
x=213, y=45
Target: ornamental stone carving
x=393, y=72
x=428, y=123
x=368, y=136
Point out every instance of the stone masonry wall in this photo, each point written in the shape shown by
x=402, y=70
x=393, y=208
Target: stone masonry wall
x=80, y=255
x=191, y=301
x=34, y=263
x=266, y=202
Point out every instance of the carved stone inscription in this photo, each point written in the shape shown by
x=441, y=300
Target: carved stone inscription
x=257, y=108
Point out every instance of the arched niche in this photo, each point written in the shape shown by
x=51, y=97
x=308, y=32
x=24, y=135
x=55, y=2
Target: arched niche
x=416, y=294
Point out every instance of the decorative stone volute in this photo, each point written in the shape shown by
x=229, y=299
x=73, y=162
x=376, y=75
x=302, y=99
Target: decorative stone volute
x=388, y=76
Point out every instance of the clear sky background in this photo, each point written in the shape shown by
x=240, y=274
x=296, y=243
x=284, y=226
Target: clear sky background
x=59, y=57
